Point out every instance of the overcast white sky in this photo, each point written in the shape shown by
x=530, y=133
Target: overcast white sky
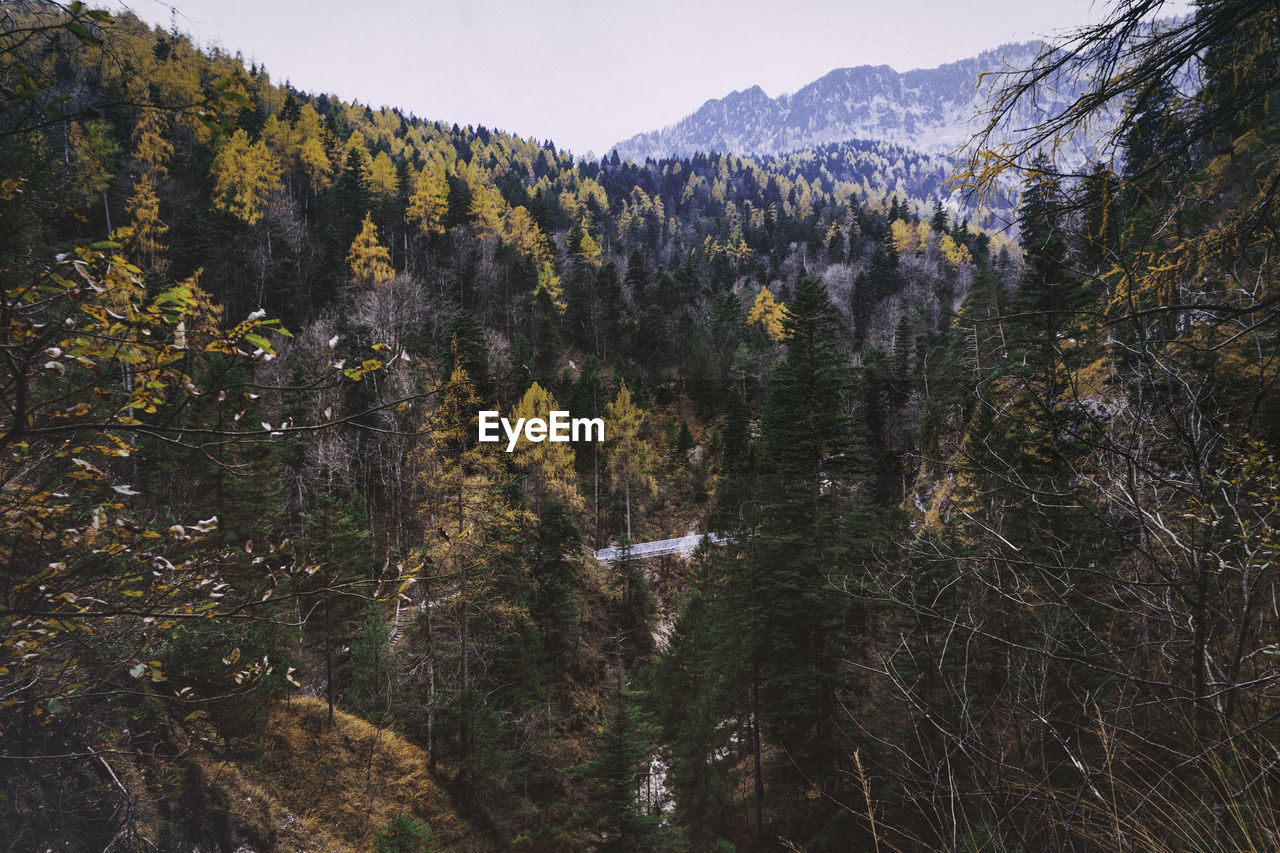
x=589, y=74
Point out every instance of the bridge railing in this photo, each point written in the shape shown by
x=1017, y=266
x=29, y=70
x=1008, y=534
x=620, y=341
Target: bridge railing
x=661, y=547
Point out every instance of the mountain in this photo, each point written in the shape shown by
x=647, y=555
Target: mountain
x=934, y=110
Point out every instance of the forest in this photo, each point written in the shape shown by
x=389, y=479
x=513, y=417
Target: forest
x=998, y=561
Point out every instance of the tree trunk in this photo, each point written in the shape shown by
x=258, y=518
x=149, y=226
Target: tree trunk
x=755, y=745
x=464, y=731
x=328, y=656
x=431, y=693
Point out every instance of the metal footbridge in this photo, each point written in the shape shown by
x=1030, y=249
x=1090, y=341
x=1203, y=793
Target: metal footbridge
x=662, y=547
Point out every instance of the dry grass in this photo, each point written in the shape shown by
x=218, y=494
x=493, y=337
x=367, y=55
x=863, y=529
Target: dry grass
x=331, y=789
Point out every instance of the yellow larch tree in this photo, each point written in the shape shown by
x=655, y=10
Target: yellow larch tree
x=768, y=313
x=955, y=253
x=244, y=177
x=488, y=209
x=151, y=151
x=470, y=524
x=904, y=236
x=282, y=140
x=370, y=261
x=146, y=241
x=628, y=455
x=925, y=236
x=548, y=465
x=150, y=147
x=550, y=282
x=313, y=154
x=522, y=231
x=382, y=175
x=430, y=201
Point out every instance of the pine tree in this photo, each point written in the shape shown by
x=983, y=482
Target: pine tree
x=637, y=277
x=938, y=222
x=588, y=401
x=402, y=834
x=736, y=464
x=96, y=152
x=336, y=537
x=371, y=665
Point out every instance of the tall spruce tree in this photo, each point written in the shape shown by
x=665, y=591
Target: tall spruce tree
x=788, y=611
x=615, y=814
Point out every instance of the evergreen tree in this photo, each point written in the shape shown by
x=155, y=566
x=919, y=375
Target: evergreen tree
x=402, y=834
x=464, y=336
x=637, y=277
x=637, y=606
x=616, y=775
x=587, y=400
x=791, y=622
x=690, y=694
x=555, y=571
x=336, y=538
x=367, y=690
x=938, y=222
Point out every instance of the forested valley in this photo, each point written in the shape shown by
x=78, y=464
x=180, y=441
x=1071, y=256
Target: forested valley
x=999, y=557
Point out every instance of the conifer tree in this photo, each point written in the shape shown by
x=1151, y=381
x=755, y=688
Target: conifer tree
x=690, y=693
x=628, y=454
x=312, y=152
x=789, y=621
x=245, y=175
x=147, y=240
x=336, y=536
x=555, y=572
x=548, y=466
x=96, y=151
x=470, y=525
x=768, y=313
x=464, y=340
x=549, y=283
x=588, y=401
x=615, y=775
x=369, y=260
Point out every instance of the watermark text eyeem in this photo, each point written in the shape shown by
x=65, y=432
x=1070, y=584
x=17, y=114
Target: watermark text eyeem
x=558, y=427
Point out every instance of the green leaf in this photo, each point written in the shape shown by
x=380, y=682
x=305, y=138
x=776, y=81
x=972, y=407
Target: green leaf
x=258, y=341
x=54, y=705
